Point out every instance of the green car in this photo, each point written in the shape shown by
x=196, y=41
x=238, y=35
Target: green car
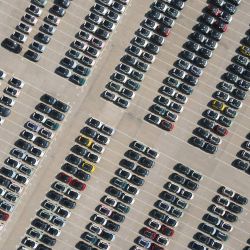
x=51, y=124
x=41, y=3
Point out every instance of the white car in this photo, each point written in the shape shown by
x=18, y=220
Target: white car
x=1, y=120
x=73, y=194
x=92, y=51
x=97, y=148
x=52, y=19
x=21, y=179
x=30, y=19
x=124, y=1
x=31, y=160
x=94, y=18
x=106, y=2
x=2, y=191
x=101, y=10
x=2, y=74
x=27, y=241
x=34, y=10
x=103, y=244
x=15, y=188
x=36, y=151
x=19, y=37
x=154, y=224
x=24, y=28
x=17, y=83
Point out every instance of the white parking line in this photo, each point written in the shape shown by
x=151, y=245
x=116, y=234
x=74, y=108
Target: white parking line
x=169, y=134
x=152, y=207
x=62, y=19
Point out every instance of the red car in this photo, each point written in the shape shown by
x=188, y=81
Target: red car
x=167, y=230
x=77, y=185
x=64, y=177
x=219, y=130
x=155, y=247
x=214, y=10
x=149, y=233
x=166, y=125
x=4, y=216
x=163, y=30
x=221, y=26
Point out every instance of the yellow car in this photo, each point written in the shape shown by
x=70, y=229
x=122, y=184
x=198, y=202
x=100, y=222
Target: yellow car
x=88, y=167
x=218, y=105
x=245, y=51
x=85, y=141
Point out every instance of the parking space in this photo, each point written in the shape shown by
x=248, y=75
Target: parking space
x=129, y=126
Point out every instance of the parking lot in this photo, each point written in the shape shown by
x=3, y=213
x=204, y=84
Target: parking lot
x=129, y=124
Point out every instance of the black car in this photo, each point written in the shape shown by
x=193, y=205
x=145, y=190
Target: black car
x=39, y=224
x=177, y=178
x=56, y=115
x=58, y=10
x=4, y=181
x=81, y=245
x=167, y=196
x=63, y=3
x=146, y=162
x=235, y=208
x=194, y=175
x=132, y=155
x=179, y=167
x=43, y=108
x=117, y=217
x=5, y=112
x=158, y=215
x=191, y=185
x=48, y=240
x=69, y=168
x=121, y=207
x=205, y=122
x=172, y=187
x=103, y=34
x=136, y=180
x=89, y=132
x=23, y=144
x=211, y=219
x=112, y=226
x=67, y=203
x=71, y=158
x=61, y=106
x=185, y=89
x=127, y=164
x=81, y=175
x=240, y=199
x=201, y=132
x=202, y=238
x=54, y=195
x=114, y=191
x=11, y=45
x=33, y=56
x=43, y=38
x=141, y=171
x=48, y=99
x=230, y=217
x=39, y=141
